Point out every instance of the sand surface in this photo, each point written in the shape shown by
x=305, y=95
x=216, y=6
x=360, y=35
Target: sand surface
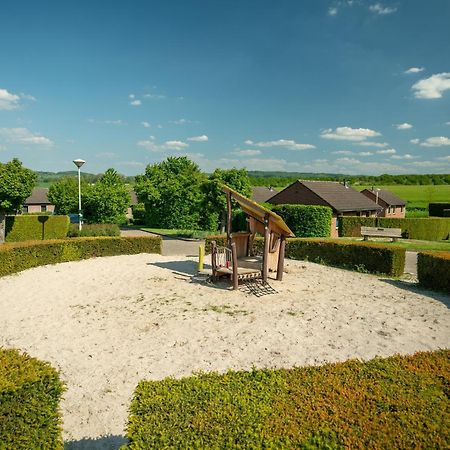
x=107, y=323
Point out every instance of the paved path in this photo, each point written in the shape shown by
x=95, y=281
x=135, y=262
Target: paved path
x=180, y=247
x=131, y=232
x=411, y=263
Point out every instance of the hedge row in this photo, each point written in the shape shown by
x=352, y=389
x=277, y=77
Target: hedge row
x=22, y=256
x=439, y=209
x=36, y=227
x=94, y=229
x=30, y=391
x=433, y=270
x=397, y=402
x=306, y=220
x=362, y=256
x=423, y=228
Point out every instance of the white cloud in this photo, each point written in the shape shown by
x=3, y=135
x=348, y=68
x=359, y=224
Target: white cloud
x=365, y=153
x=414, y=70
x=285, y=143
x=432, y=87
x=343, y=152
x=378, y=8
x=131, y=163
x=107, y=122
x=24, y=136
x=444, y=158
x=435, y=141
x=154, y=96
x=403, y=126
x=181, y=121
x=135, y=103
x=202, y=138
x=247, y=152
x=372, y=144
x=414, y=141
x=332, y=11
x=8, y=101
x=131, y=96
x=152, y=146
x=447, y=123
x=349, y=134
x=145, y=124
x=388, y=151
x=405, y=156
x=28, y=97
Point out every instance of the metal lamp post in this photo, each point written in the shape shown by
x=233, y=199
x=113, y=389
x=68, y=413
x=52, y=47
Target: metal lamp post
x=79, y=163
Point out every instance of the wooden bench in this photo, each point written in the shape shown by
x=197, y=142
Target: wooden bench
x=393, y=233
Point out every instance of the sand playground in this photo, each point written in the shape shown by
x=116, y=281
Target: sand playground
x=107, y=323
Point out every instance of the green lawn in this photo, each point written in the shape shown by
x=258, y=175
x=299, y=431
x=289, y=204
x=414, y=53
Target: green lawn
x=410, y=244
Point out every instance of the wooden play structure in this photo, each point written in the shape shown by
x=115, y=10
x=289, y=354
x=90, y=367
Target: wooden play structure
x=234, y=260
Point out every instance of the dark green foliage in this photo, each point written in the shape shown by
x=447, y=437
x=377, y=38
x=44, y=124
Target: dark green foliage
x=95, y=229
x=438, y=209
x=171, y=193
x=22, y=256
x=360, y=256
x=305, y=220
x=30, y=391
x=397, y=402
x=366, y=257
x=64, y=195
x=138, y=214
x=239, y=221
x=34, y=227
x=433, y=270
x=422, y=228
x=350, y=226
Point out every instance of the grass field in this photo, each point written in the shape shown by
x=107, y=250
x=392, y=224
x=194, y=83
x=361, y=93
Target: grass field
x=410, y=244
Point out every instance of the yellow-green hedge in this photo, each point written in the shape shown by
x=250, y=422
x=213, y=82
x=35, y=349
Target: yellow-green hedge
x=30, y=391
x=21, y=256
x=392, y=403
x=35, y=227
x=361, y=256
x=433, y=270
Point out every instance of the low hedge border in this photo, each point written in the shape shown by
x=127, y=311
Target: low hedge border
x=30, y=391
x=433, y=270
x=360, y=256
x=34, y=227
x=21, y=256
x=396, y=402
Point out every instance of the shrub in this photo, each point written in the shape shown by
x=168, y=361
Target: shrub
x=36, y=227
x=95, y=229
x=18, y=257
x=433, y=270
x=397, y=402
x=424, y=228
x=138, y=213
x=30, y=391
x=362, y=256
x=438, y=209
x=306, y=220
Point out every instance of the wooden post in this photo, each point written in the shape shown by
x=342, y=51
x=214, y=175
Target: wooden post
x=265, y=268
x=235, y=266
x=281, y=257
x=229, y=218
x=2, y=227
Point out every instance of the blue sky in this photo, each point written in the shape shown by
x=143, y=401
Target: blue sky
x=357, y=87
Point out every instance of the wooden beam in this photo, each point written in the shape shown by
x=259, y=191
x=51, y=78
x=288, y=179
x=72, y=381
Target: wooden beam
x=229, y=219
x=235, y=266
x=265, y=267
x=280, y=267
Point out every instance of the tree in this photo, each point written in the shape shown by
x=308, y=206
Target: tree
x=64, y=195
x=16, y=184
x=171, y=193
x=107, y=200
x=215, y=199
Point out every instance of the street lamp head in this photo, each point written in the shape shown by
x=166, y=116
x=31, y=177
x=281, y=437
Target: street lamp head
x=78, y=162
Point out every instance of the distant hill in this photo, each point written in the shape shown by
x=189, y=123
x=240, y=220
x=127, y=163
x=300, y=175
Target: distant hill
x=45, y=179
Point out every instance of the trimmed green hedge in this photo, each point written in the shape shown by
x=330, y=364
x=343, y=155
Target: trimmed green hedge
x=433, y=270
x=30, y=391
x=36, y=227
x=362, y=256
x=306, y=220
x=422, y=228
x=438, y=209
x=94, y=229
x=22, y=256
x=397, y=402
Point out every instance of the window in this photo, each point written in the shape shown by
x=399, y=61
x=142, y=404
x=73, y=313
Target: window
x=43, y=208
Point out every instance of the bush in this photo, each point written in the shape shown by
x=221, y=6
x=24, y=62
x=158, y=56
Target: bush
x=95, y=229
x=438, y=209
x=424, y=228
x=306, y=220
x=30, y=391
x=138, y=214
x=36, y=227
x=433, y=270
x=18, y=257
x=397, y=402
x=361, y=256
